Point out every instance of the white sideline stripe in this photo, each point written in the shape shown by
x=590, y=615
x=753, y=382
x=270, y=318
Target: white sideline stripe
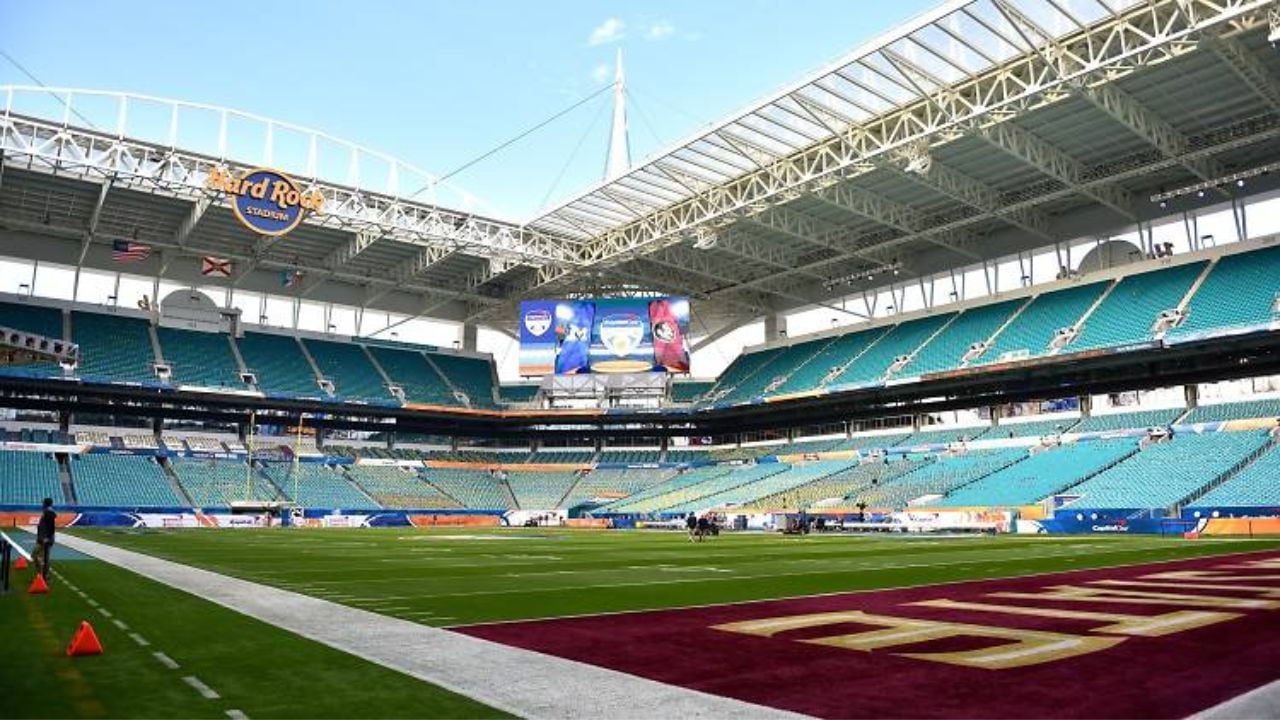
x=205, y=691
x=533, y=685
x=165, y=660
x=142, y=642
x=237, y=715
x=1262, y=702
x=105, y=612
x=120, y=624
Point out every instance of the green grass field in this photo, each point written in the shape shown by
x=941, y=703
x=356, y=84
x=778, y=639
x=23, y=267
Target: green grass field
x=444, y=578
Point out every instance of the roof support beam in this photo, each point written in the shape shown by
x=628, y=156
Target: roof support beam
x=183, y=236
x=1254, y=74
x=980, y=196
x=1150, y=127
x=359, y=242
x=410, y=268
x=1057, y=164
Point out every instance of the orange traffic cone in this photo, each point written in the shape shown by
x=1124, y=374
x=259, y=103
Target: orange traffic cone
x=38, y=586
x=21, y=564
x=85, y=642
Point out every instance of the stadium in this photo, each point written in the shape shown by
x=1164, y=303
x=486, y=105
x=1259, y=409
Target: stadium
x=1002, y=440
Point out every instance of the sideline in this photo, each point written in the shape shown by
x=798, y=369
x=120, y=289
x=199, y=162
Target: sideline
x=517, y=681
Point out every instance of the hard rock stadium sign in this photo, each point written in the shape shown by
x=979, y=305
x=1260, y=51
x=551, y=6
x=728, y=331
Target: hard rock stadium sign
x=266, y=201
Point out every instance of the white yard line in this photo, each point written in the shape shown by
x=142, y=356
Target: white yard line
x=533, y=685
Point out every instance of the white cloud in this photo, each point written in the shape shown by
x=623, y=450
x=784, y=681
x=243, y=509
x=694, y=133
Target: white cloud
x=660, y=30
x=600, y=73
x=611, y=30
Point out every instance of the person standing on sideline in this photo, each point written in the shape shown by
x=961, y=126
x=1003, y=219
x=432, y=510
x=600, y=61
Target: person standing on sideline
x=44, y=536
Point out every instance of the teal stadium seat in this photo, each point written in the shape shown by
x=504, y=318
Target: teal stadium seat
x=218, y=483
x=121, y=481
x=939, y=477
x=712, y=491
x=946, y=436
x=770, y=365
x=630, y=456
x=410, y=370
x=475, y=489
x=1043, y=474
x=742, y=368
x=1240, y=292
x=472, y=376
x=33, y=319
x=199, y=358
x=1136, y=420
x=847, y=480
x=318, y=486
x=824, y=356
x=279, y=364
x=1034, y=327
x=1128, y=314
x=394, y=487
x=568, y=457
x=687, y=392
x=645, y=498
x=1166, y=473
x=614, y=484
x=517, y=393
x=1255, y=485
x=903, y=339
x=1247, y=410
x=27, y=478
x=947, y=348
x=346, y=366
x=113, y=348
x=540, y=490
x=1033, y=428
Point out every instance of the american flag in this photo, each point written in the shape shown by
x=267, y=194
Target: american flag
x=127, y=251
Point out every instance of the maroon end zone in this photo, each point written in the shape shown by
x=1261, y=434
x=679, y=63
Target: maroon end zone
x=1159, y=640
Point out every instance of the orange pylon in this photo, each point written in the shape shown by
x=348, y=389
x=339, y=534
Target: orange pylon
x=38, y=586
x=85, y=642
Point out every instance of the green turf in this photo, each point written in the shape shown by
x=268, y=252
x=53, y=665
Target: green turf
x=456, y=577
x=262, y=671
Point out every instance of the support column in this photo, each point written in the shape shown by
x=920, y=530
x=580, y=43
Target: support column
x=1086, y=405
x=1192, y=394
x=470, y=331
x=775, y=327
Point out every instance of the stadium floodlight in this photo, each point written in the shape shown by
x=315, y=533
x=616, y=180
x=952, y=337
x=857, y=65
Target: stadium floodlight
x=1198, y=189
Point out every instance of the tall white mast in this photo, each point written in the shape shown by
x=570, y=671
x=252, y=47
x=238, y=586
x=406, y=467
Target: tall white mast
x=619, y=159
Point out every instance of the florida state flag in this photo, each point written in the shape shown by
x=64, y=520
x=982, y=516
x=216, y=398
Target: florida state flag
x=215, y=266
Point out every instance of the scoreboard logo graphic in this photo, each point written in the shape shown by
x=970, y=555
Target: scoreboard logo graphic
x=614, y=335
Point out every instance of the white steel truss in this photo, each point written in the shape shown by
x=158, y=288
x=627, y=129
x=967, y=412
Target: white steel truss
x=891, y=98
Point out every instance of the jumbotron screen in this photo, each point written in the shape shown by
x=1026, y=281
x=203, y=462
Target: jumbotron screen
x=615, y=335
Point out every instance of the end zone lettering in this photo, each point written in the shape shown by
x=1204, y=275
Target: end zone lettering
x=266, y=201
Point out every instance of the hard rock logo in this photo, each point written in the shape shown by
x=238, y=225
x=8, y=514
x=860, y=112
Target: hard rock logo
x=266, y=201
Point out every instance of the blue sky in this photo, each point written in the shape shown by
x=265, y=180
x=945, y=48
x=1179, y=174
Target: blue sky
x=439, y=83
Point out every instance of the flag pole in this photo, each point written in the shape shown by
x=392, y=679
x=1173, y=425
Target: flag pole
x=248, y=468
x=297, y=447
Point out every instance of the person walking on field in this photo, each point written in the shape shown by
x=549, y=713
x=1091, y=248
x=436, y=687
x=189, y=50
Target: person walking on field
x=691, y=522
x=44, y=537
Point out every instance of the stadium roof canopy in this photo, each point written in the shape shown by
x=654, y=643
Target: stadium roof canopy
x=983, y=128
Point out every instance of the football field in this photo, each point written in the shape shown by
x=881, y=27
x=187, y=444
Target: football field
x=609, y=599
x=461, y=577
